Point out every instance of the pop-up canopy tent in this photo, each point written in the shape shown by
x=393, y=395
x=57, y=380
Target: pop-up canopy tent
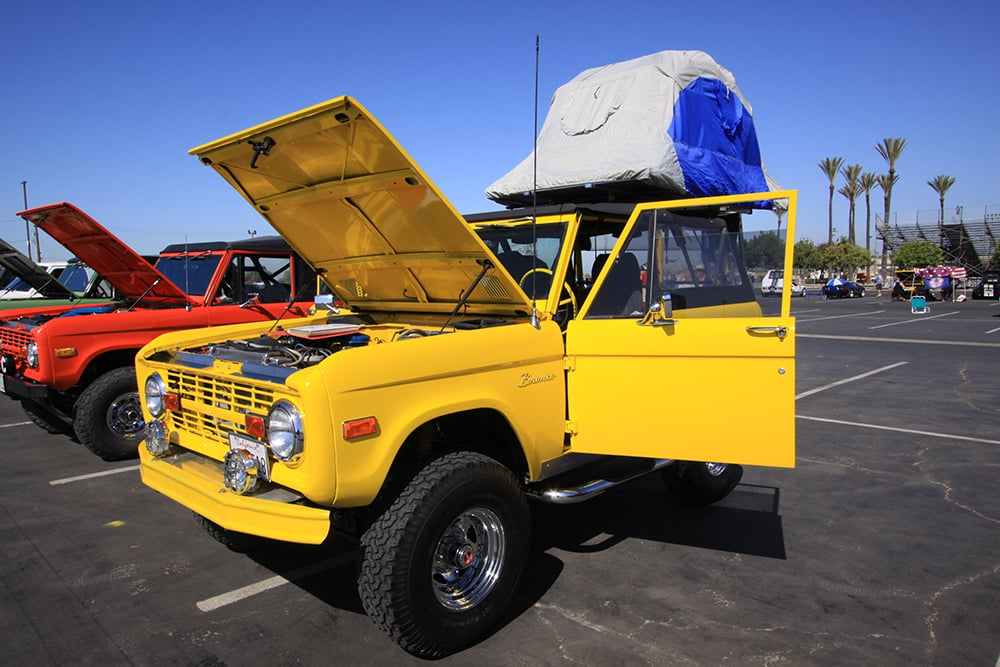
x=667, y=125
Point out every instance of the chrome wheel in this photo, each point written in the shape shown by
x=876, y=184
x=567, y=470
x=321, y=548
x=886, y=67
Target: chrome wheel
x=124, y=416
x=442, y=562
x=715, y=469
x=469, y=559
x=701, y=483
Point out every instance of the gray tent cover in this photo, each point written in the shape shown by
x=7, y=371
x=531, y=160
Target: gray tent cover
x=671, y=124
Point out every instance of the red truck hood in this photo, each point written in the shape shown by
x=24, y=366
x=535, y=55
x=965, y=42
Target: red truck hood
x=104, y=252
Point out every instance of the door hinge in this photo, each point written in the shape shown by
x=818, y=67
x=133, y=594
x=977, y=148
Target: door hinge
x=569, y=363
x=571, y=427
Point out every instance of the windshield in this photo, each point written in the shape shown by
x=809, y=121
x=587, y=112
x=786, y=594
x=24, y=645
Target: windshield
x=76, y=278
x=190, y=272
x=513, y=247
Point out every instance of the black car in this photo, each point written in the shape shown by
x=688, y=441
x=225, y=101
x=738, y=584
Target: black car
x=845, y=290
x=989, y=287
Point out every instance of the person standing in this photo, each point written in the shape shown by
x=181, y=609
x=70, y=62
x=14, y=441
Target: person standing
x=878, y=284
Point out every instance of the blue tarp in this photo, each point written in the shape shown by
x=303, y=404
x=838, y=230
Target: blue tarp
x=716, y=141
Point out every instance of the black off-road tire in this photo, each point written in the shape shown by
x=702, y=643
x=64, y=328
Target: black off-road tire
x=461, y=508
x=697, y=483
x=231, y=539
x=45, y=419
x=108, y=417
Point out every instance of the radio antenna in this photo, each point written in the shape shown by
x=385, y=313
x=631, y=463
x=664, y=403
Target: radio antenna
x=534, y=199
x=187, y=278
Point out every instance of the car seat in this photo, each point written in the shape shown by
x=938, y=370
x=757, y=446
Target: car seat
x=621, y=293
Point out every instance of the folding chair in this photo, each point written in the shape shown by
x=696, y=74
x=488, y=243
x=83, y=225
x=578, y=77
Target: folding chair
x=918, y=304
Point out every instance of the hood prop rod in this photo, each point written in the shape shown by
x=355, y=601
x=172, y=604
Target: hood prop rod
x=487, y=265
x=143, y=295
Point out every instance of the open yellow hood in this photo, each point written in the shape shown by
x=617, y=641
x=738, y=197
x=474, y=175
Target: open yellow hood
x=349, y=200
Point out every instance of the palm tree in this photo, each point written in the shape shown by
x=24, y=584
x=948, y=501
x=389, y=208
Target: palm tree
x=830, y=166
x=868, y=181
x=890, y=149
x=940, y=185
x=851, y=190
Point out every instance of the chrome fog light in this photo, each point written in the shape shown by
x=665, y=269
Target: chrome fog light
x=155, y=390
x=284, y=430
x=31, y=352
x=156, y=438
x=240, y=472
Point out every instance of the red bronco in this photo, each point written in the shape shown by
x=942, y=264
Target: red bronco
x=72, y=368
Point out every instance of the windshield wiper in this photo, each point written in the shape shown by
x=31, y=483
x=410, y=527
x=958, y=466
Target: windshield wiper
x=188, y=256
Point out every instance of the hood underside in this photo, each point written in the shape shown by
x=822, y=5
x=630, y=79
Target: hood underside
x=20, y=266
x=351, y=202
x=126, y=270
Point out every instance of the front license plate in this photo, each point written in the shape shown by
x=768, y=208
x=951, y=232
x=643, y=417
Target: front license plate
x=256, y=449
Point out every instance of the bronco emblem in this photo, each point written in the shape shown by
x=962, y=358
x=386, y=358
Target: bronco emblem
x=527, y=379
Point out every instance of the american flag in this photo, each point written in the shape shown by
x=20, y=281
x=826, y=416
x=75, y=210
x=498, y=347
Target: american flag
x=958, y=272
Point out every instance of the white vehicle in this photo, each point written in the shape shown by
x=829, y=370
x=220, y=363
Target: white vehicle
x=19, y=288
x=773, y=283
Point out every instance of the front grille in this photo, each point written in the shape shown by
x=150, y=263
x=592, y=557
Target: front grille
x=213, y=407
x=13, y=341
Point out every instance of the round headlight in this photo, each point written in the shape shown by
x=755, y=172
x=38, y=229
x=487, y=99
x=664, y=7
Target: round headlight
x=31, y=352
x=155, y=389
x=284, y=430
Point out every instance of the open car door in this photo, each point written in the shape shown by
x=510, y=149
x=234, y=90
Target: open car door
x=672, y=355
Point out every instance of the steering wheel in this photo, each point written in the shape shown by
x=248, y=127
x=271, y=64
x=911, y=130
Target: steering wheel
x=567, y=299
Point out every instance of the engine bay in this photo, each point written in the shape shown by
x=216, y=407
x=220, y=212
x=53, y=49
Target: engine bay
x=302, y=347
x=282, y=350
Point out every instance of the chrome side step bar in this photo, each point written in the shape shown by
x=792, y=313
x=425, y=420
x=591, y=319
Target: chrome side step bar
x=565, y=495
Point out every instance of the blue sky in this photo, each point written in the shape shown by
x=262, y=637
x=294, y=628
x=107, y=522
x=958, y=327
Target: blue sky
x=102, y=100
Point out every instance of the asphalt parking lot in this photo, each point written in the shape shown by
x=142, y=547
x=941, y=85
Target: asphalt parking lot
x=881, y=547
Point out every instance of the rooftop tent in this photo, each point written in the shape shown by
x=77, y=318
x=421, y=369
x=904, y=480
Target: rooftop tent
x=667, y=125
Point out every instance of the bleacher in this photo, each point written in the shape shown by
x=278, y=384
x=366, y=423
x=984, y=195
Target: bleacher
x=967, y=240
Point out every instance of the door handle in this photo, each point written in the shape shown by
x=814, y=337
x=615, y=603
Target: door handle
x=779, y=331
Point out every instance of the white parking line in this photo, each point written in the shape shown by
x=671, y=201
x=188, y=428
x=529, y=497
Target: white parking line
x=850, y=379
x=932, y=434
x=14, y=424
x=224, y=599
x=915, y=319
x=79, y=478
x=993, y=330
x=874, y=339
x=837, y=317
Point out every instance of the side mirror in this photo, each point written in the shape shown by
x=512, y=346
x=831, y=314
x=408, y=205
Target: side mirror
x=659, y=314
x=666, y=306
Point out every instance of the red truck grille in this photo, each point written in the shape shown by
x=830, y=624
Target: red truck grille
x=213, y=407
x=13, y=341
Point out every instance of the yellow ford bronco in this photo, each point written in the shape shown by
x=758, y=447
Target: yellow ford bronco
x=479, y=364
